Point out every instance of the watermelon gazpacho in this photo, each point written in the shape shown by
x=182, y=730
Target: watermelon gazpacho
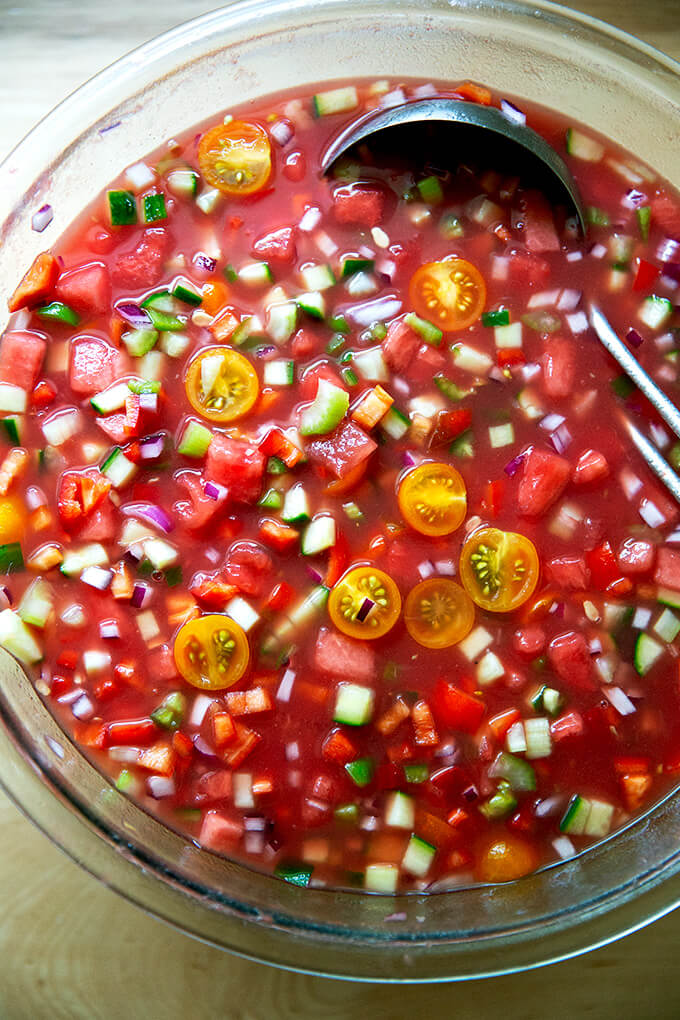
x=321, y=531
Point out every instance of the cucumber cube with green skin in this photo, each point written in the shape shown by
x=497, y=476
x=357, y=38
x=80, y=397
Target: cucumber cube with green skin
x=154, y=207
x=122, y=208
x=519, y=774
x=431, y=190
x=427, y=331
x=170, y=712
x=381, y=878
x=326, y=411
x=418, y=857
x=360, y=771
x=348, y=813
x=501, y=317
x=17, y=639
x=11, y=558
x=644, y=219
x=354, y=704
x=400, y=811
x=11, y=427
x=500, y=804
x=295, y=874
x=272, y=500
x=195, y=439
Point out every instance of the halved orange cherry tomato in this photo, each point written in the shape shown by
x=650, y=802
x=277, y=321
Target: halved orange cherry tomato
x=365, y=603
x=451, y=294
x=221, y=384
x=499, y=569
x=438, y=613
x=235, y=158
x=211, y=652
x=506, y=858
x=432, y=498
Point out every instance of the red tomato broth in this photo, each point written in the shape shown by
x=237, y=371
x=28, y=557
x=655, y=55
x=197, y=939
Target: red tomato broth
x=294, y=752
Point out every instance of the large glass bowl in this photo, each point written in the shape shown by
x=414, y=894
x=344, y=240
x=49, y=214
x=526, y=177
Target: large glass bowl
x=588, y=71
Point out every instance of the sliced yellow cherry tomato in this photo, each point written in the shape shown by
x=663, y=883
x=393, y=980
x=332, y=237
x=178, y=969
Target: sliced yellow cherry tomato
x=236, y=157
x=451, y=294
x=499, y=569
x=211, y=652
x=365, y=603
x=221, y=384
x=12, y=520
x=432, y=498
x=438, y=613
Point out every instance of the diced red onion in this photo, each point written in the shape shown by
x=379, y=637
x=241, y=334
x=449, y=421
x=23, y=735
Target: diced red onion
x=281, y=131
x=42, y=218
x=400, y=385
x=548, y=806
x=35, y=497
x=314, y=574
x=563, y=847
x=659, y=435
x=409, y=459
x=378, y=310
x=470, y=793
x=513, y=466
x=83, y=708
x=369, y=823
x=386, y=269
x=512, y=112
x=149, y=512
x=620, y=701
x=286, y=686
x=597, y=250
x=633, y=337
x=633, y=199
x=399, y=915
x=292, y=750
x=366, y=606
x=557, y=610
x=545, y=299
x=255, y=824
x=148, y=402
x=205, y=262
x=200, y=706
x=152, y=447
x=214, y=491
x=425, y=569
x=140, y=594
x=212, y=555
x=71, y=696
x=569, y=299
x=124, y=754
x=668, y=250
x=671, y=270
x=5, y=597
x=394, y=98
x=561, y=438
x=161, y=786
x=574, y=256
x=266, y=352
x=552, y=422
x=496, y=375
x=578, y=322
x=203, y=747
x=97, y=577
x=595, y=646
x=109, y=629
x=137, y=317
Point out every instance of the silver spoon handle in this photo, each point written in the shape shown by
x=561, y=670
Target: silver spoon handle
x=634, y=370
x=663, y=471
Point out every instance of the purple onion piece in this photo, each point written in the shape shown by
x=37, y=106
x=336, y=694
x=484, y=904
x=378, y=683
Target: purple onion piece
x=366, y=606
x=380, y=309
x=42, y=218
x=635, y=198
x=265, y=352
x=152, y=447
x=668, y=250
x=409, y=459
x=513, y=466
x=281, y=131
x=138, y=594
x=214, y=491
x=558, y=611
x=633, y=337
x=471, y=793
x=314, y=574
x=35, y=497
x=109, y=629
x=512, y=112
x=205, y=262
x=148, y=402
x=137, y=317
x=149, y=512
x=672, y=270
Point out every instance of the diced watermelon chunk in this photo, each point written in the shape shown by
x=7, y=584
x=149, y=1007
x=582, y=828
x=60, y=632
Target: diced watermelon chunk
x=362, y=204
x=569, y=656
x=238, y=466
x=163, y=663
x=539, y=227
x=591, y=466
x=94, y=365
x=666, y=212
x=342, y=450
x=100, y=525
x=667, y=573
x=276, y=246
x=635, y=556
x=400, y=345
x=342, y=656
x=544, y=477
x=559, y=366
x=21, y=358
x=529, y=270
x=428, y=362
x=143, y=267
x=304, y=344
x=568, y=572
x=250, y=567
x=309, y=383
x=114, y=427
x=199, y=510
x=220, y=832
x=214, y=786
x=529, y=640
x=86, y=289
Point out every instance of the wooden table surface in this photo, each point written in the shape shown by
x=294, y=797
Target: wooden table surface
x=71, y=949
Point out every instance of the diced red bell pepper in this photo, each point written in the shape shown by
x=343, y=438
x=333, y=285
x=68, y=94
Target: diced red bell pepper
x=277, y=444
x=220, y=832
x=590, y=467
x=246, y=741
x=182, y=744
x=80, y=492
x=281, y=596
x=130, y=731
x=36, y=284
x=212, y=592
x=493, y=497
x=455, y=709
x=67, y=659
x=423, y=724
x=338, y=559
x=604, y=569
x=634, y=789
x=569, y=656
x=160, y=759
x=506, y=357
x=568, y=725
x=645, y=274
x=338, y=747
x=43, y=394
x=449, y=424
x=501, y=723
x=279, y=537
x=474, y=93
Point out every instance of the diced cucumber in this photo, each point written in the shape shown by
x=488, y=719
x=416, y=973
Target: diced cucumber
x=451, y=390
x=139, y=341
x=361, y=285
x=350, y=266
x=463, y=446
x=294, y=874
x=152, y=366
x=339, y=100
x=184, y=290
x=37, y=603
x=501, y=435
x=326, y=411
x=667, y=626
x=381, y=878
x=517, y=772
x=395, y=424
x=61, y=427
x=153, y=207
x=13, y=427
x=655, y=311
x=668, y=597
x=208, y=200
x=160, y=553
x=575, y=817
x=317, y=277
x=552, y=701
x=255, y=274
x=489, y=668
x=118, y=469
x=583, y=147
x=309, y=607
x=320, y=534
x=614, y=615
x=17, y=639
x=195, y=439
x=471, y=360
x=371, y=365
x=281, y=321
x=183, y=183
x=278, y=373
x=427, y=331
x=537, y=733
x=111, y=399
x=599, y=820
x=122, y=208
x=474, y=644
x=647, y=651
x=353, y=704
x=400, y=811
x=242, y=612
x=175, y=345
x=75, y=560
x=312, y=303
x=644, y=219
x=296, y=505
x=166, y=322
x=530, y=404
x=509, y=336
x=96, y=662
x=418, y=857
x=160, y=301
x=271, y=500
x=13, y=398
x=430, y=190
x=501, y=803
